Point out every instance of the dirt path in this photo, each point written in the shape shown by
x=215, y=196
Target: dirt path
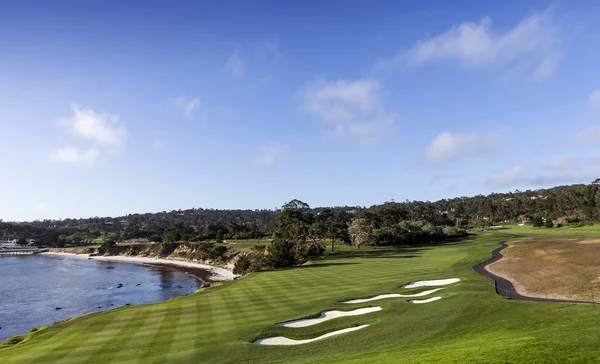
x=504, y=287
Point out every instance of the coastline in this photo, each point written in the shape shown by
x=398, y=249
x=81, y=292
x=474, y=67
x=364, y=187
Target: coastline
x=215, y=274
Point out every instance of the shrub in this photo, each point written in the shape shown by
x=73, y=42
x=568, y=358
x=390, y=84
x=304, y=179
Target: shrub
x=14, y=340
x=165, y=249
x=210, y=251
x=315, y=249
x=250, y=262
x=282, y=254
x=107, y=245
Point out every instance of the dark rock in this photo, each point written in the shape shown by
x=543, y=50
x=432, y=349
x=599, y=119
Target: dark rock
x=58, y=308
x=127, y=304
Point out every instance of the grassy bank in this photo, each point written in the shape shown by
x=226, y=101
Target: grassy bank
x=217, y=325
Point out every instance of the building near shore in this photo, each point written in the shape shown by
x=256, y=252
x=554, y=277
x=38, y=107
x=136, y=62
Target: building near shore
x=138, y=240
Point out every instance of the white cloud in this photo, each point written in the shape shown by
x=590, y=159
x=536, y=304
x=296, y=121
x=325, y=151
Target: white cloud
x=74, y=156
x=530, y=48
x=271, y=154
x=512, y=176
x=254, y=61
x=561, y=169
x=158, y=144
x=235, y=65
x=594, y=99
x=448, y=146
x=562, y=162
x=588, y=135
x=353, y=107
x=103, y=132
x=374, y=132
x=187, y=106
x=104, y=129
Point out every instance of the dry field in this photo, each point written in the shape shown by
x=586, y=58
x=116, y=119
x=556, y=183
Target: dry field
x=553, y=268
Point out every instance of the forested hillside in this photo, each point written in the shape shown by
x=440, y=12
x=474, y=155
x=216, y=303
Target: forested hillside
x=388, y=223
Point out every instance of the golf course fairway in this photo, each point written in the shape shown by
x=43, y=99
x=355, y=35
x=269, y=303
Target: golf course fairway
x=471, y=323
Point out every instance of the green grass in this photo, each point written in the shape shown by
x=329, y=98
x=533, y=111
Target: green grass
x=246, y=244
x=217, y=325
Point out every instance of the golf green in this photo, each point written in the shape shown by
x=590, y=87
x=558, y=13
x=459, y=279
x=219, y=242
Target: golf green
x=470, y=323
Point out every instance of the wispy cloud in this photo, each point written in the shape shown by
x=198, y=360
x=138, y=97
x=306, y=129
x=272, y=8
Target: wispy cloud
x=158, y=144
x=530, y=49
x=253, y=61
x=562, y=162
x=350, y=107
x=594, y=99
x=74, y=156
x=448, y=146
x=187, y=106
x=235, y=65
x=509, y=177
x=271, y=153
x=588, y=135
x=560, y=169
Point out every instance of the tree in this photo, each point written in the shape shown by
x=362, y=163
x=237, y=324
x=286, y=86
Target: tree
x=361, y=232
x=51, y=237
x=219, y=237
x=293, y=228
x=537, y=221
x=338, y=228
x=172, y=234
x=22, y=241
x=107, y=245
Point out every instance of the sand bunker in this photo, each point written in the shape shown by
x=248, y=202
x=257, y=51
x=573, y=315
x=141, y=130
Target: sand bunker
x=328, y=315
x=392, y=295
x=439, y=282
x=425, y=301
x=280, y=340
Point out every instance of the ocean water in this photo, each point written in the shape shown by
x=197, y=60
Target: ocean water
x=33, y=287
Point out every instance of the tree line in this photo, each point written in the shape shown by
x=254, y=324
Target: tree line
x=390, y=223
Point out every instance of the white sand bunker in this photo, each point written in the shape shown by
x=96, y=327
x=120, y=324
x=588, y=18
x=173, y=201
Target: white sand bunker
x=439, y=282
x=425, y=301
x=392, y=295
x=328, y=315
x=280, y=340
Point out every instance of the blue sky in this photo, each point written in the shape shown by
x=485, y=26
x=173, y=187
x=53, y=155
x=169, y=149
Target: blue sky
x=114, y=107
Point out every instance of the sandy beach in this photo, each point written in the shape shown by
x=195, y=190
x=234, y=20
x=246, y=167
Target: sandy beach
x=217, y=274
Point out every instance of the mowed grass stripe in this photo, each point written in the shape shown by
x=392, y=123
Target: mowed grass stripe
x=121, y=339
x=139, y=339
x=60, y=347
x=97, y=340
x=160, y=340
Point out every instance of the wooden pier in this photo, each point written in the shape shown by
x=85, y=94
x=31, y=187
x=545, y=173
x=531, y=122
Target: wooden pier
x=21, y=251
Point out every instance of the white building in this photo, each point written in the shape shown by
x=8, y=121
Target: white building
x=8, y=244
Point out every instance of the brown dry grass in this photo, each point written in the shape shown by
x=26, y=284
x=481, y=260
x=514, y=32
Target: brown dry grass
x=553, y=268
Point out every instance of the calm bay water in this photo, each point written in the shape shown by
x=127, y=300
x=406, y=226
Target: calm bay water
x=32, y=287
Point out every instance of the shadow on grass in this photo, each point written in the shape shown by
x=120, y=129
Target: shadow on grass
x=395, y=252
x=318, y=264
